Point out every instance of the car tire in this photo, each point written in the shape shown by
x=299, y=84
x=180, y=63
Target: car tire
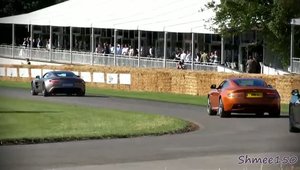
x=44, y=91
x=32, y=91
x=81, y=93
x=209, y=109
x=259, y=114
x=221, y=111
x=293, y=129
x=275, y=113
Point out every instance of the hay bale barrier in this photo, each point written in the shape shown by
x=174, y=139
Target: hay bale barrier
x=165, y=80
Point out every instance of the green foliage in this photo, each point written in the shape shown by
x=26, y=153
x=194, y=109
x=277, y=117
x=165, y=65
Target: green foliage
x=14, y=7
x=271, y=17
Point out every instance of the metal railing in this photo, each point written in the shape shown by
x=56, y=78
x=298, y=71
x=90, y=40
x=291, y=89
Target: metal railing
x=296, y=65
x=75, y=57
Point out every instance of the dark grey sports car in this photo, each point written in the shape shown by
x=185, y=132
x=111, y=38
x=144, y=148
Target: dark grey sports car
x=294, y=111
x=58, y=82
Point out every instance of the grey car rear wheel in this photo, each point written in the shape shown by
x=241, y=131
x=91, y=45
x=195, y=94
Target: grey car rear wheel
x=32, y=91
x=44, y=92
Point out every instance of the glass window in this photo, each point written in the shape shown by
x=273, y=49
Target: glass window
x=47, y=75
x=250, y=82
x=65, y=74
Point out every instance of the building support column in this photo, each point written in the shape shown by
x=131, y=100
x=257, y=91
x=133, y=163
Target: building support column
x=139, y=47
x=222, y=51
x=292, y=47
x=31, y=41
x=115, y=45
x=92, y=46
x=165, y=49
x=13, y=41
x=50, y=44
x=193, y=50
x=71, y=44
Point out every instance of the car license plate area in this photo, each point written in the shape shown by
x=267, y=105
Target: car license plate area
x=254, y=95
x=67, y=85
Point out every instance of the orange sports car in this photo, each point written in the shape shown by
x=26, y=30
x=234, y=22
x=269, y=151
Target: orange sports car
x=243, y=95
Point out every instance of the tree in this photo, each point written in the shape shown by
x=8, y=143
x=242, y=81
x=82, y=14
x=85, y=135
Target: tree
x=271, y=17
x=14, y=7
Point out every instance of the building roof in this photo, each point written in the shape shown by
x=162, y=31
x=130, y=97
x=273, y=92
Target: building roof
x=149, y=15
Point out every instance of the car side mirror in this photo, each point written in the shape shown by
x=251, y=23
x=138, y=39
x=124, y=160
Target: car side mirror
x=295, y=92
x=213, y=86
x=270, y=86
x=37, y=77
x=78, y=76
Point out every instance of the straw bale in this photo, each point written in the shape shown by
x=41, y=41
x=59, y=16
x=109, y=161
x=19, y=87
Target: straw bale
x=169, y=80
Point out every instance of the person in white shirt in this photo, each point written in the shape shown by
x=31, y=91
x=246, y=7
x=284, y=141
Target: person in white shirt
x=188, y=57
x=182, y=56
x=151, y=52
x=216, y=57
x=125, y=50
x=180, y=64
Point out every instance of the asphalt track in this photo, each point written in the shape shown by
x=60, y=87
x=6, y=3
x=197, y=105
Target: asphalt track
x=220, y=143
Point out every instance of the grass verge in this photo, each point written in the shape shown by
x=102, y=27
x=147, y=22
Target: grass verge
x=165, y=97
x=25, y=121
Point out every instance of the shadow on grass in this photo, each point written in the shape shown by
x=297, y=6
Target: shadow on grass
x=25, y=112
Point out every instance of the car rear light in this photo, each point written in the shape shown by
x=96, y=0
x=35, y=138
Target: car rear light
x=54, y=81
x=271, y=94
x=235, y=95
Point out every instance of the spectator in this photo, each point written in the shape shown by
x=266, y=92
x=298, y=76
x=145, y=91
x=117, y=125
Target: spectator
x=256, y=65
x=151, y=52
x=215, y=57
x=25, y=43
x=180, y=64
x=188, y=57
x=125, y=50
x=131, y=51
x=198, y=56
x=119, y=49
x=28, y=61
x=39, y=43
x=204, y=57
x=98, y=49
x=250, y=65
x=48, y=45
x=211, y=57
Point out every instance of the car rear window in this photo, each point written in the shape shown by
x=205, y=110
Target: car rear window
x=250, y=82
x=65, y=74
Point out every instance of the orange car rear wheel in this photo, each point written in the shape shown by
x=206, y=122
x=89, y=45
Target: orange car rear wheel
x=221, y=110
x=209, y=108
